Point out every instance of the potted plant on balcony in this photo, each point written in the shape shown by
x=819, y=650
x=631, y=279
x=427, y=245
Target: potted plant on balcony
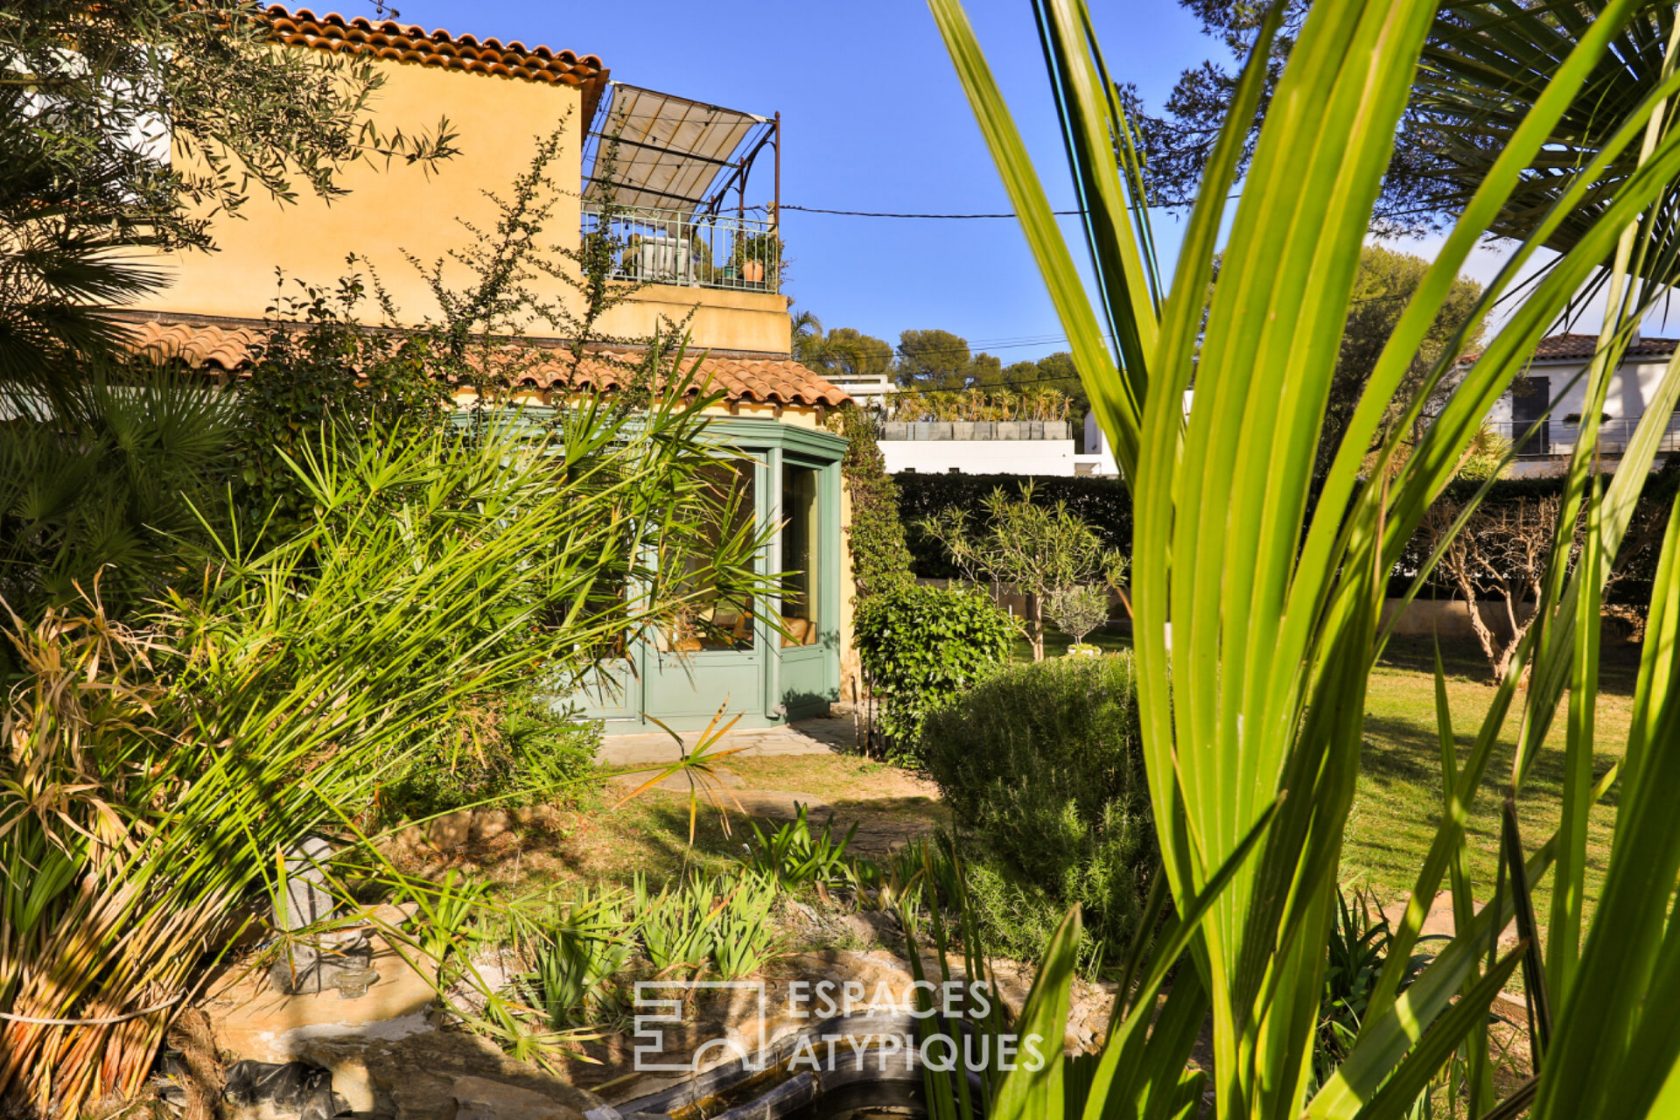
x=758, y=259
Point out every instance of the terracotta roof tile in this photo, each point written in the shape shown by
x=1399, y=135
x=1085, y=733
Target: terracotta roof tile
x=1565, y=347
x=198, y=345
x=408, y=43
x=756, y=380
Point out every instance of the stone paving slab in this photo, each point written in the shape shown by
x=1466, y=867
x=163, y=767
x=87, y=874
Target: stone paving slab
x=652, y=748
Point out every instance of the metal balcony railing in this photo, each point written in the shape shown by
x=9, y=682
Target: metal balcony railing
x=741, y=252
x=1556, y=438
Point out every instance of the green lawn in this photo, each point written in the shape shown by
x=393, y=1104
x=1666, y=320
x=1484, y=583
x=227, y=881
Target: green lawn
x=609, y=836
x=1056, y=643
x=1396, y=808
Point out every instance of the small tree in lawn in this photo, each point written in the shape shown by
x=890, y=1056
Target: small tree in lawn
x=1498, y=557
x=1031, y=549
x=1077, y=610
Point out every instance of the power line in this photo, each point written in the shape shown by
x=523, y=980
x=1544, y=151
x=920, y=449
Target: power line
x=960, y=217
x=933, y=217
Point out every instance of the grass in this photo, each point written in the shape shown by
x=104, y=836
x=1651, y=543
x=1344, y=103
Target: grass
x=1395, y=812
x=1108, y=639
x=1396, y=808
x=607, y=840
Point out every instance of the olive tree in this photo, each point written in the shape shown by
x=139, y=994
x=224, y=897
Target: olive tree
x=1026, y=547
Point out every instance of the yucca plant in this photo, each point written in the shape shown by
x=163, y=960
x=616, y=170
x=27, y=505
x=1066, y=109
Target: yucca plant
x=746, y=936
x=152, y=777
x=577, y=953
x=1253, y=709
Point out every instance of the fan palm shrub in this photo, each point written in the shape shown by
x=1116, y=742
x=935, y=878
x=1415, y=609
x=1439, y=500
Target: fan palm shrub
x=1252, y=713
x=105, y=484
x=155, y=773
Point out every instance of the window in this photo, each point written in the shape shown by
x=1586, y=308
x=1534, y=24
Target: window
x=801, y=554
x=717, y=618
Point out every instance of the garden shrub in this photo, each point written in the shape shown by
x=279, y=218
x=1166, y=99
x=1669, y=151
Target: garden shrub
x=794, y=857
x=515, y=753
x=1042, y=766
x=920, y=647
x=1105, y=505
x=317, y=366
x=112, y=489
x=578, y=955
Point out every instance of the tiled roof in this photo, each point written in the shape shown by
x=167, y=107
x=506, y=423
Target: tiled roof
x=408, y=43
x=198, y=345
x=1568, y=347
x=760, y=380
x=757, y=380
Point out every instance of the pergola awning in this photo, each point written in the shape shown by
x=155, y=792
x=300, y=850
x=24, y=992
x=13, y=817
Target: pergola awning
x=673, y=153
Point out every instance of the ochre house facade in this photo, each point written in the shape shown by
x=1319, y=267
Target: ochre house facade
x=499, y=99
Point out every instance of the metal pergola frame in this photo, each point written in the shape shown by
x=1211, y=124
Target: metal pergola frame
x=733, y=169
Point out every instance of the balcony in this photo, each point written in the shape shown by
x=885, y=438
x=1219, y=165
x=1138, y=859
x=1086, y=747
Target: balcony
x=738, y=252
x=1555, y=439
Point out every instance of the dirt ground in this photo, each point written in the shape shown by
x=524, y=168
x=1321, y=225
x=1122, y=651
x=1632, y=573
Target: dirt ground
x=620, y=828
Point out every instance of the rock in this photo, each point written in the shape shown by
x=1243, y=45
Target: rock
x=391, y=1054
x=306, y=901
x=287, y=1089
x=873, y=927
x=314, y=962
x=422, y=1096
x=451, y=831
x=352, y=1083
x=480, y=1098
x=252, y=1021
x=490, y=824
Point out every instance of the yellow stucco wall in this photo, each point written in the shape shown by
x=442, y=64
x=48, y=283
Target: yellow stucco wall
x=389, y=210
x=398, y=210
x=721, y=319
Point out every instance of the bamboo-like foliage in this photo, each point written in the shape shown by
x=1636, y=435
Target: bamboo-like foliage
x=152, y=776
x=1257, y=620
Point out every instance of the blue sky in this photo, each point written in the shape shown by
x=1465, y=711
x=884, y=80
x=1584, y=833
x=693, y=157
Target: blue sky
x=873, y=119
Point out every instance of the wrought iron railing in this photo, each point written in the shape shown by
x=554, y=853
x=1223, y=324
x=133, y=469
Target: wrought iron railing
x=735, y=251
x=1557, y=437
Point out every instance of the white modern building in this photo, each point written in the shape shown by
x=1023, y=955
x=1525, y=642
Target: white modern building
x=1098, y=458
x=1021, y=447
x=1550, y=397
x=870, y=391
x=1025, y=447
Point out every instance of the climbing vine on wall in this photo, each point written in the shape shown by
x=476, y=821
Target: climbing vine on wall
x=880, y=557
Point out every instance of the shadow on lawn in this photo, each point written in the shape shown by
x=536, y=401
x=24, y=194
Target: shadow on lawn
x=1463, y=661
x=1395, y=761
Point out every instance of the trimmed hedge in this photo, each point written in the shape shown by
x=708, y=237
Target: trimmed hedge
x=880, y=560
x=1102, y=503
x=1106, y=505
x=920, y=648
